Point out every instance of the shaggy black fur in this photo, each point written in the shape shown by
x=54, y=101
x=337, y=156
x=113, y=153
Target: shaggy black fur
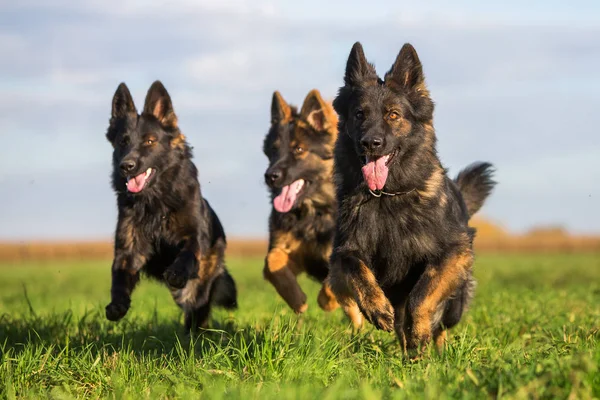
x=165, y=227
x=402, y=254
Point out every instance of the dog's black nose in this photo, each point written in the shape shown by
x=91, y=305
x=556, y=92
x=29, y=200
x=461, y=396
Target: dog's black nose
x=372, y=142
x=273, y=176
x=127, y=165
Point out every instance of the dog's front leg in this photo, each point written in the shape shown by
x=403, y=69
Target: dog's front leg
x=436, y=285
x=279, y=270
x=125, y=275
x=185, y=265
x=130, y=258
x=354, y=284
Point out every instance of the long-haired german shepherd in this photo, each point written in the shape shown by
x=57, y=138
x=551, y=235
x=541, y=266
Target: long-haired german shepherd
x=165, y=228
x=403, y=251
x=300, y=177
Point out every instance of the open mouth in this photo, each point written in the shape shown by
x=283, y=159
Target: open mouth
x=137, y=183
x=375, y=170
x=288, y=196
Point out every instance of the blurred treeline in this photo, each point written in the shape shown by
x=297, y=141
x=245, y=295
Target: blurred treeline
x=491, y=237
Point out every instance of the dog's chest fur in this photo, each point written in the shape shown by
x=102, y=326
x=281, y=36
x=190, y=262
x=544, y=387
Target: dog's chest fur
x=394, y=235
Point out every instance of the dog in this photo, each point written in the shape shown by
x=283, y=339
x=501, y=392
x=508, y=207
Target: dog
x=403, y=249
x=299, y=146
x=165, y=227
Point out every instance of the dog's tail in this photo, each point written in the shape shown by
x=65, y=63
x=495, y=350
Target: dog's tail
x=475, y=183
x=223, y=291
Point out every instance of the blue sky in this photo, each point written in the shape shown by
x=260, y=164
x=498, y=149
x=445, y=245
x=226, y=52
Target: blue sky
x=515, y=83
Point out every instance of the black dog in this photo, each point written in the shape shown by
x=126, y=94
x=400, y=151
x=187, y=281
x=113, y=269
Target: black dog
x=403, y=249
x=300, y=177
x=165, y=227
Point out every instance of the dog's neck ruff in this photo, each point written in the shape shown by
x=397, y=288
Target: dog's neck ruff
x=379, y=193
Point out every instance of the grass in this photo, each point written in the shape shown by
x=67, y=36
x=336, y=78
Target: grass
x=533, y=332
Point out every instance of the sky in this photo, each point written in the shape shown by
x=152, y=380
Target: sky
x=515, y=83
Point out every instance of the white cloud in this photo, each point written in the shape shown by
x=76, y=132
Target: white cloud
x=227, y=65
x=241, y=68
x=163, y=8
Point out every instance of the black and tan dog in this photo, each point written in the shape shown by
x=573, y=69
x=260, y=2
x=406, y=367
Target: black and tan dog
x=403, y=250
x=300, y=177
x=165, y=228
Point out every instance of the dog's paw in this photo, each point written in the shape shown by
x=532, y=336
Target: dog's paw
x=384, y=321
x=382, y=318
x=116, y=311
x=175, y=278
x=301, y=309
x=327, y=300
x=418, y=338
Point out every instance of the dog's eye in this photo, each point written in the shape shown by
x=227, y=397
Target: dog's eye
x=394, y=115
x=124, y=140
x=298, y=150
x=359, y=114
x=149, y=142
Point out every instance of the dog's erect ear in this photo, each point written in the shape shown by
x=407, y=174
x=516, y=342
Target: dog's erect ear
x=280, y=110
x=318, y=113
x=357, y=67
x=122, y=103
x=407, y=71
x=158, y=103
x=122, y=107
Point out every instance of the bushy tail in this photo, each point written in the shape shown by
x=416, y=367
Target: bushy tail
x=224, y=292
x=475, y=183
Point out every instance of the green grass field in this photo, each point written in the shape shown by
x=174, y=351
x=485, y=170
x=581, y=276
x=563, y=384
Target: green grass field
x=533, y=332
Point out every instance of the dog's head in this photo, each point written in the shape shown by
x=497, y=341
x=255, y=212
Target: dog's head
x=387, y=119
x=300, y=149
x=145, y=145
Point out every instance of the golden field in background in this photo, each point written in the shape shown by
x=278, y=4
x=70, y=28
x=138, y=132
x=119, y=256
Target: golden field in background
x=491, y=237
x=87, y=250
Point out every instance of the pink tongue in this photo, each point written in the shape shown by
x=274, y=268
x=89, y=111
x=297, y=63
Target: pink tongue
x=286, y=199
x=136, y=184
x=376, y=172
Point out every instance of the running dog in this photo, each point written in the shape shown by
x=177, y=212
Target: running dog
x=165, y=227
x=403, y=249
x=299, y=146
